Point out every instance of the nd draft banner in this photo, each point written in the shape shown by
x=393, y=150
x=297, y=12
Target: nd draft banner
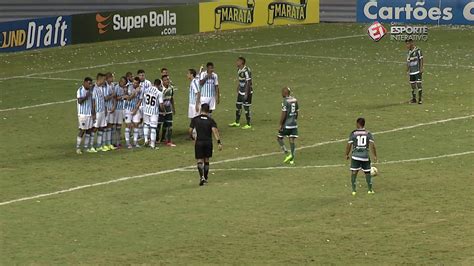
x=35, y=33
x=416, y=11
x=239, y=14
x=113, y=25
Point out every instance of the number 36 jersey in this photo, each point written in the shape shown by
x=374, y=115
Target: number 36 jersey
x=360, y=140
x=152, y=98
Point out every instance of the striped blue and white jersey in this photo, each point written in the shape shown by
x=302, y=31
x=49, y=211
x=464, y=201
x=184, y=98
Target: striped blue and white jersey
x=98, y=98
x=84, y=108
x=152, y=98
x=144, y=85
x=132, y=103
x=119, y=92
x=193, y=91
x=209, y=87
x=108, y=90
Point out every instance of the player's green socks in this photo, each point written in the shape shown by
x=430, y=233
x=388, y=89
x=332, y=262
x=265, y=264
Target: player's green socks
x=200, y=168
x=293, y=149
x=368, y=178
x=206, y=170
x=282, y=145
x=353, y=182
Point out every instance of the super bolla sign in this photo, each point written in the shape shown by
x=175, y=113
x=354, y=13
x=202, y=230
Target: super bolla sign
x=416, y=11
x=36, y=33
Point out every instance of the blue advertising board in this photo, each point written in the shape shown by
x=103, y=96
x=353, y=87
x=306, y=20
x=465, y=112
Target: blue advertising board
x=417, y=11
x=35, y=33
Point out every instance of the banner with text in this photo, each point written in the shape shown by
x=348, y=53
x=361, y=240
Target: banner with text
x=159, y=21
x=238, y=14
x=35, y=33
x=416, y=11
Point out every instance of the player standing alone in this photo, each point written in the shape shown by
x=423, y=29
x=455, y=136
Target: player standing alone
x=205, y=126
x=84, y=114
x=244, y=94
x=361, y=140
x=415, y=70
x=288, y=124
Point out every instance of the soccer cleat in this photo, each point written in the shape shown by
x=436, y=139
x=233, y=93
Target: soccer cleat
x=105, y=148
x=371, y=192
x=154, y=147
x=413, y=100
x=130, y=146
x=235, y=124
x=292, y=162
x=202, y=181
x=146, y=143
x=78, y=151
x=170, y=144
x=420, y=102
x=111, y=147
x=354, y=193
x=92, y=150
x=247, y=127
x=137, y=146
x=288, y=158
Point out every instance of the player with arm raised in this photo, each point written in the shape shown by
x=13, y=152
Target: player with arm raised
x=360, y=141
x=288, y=124
x=205, y=127
x=84, y=115
x=153, y=99
x=209, y=82
x=244, y=94
x=415, y=70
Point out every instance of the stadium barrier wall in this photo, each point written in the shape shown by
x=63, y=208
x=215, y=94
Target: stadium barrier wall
x=32, y=34
x=459, y=12
x=123, y=24
x=241, y=14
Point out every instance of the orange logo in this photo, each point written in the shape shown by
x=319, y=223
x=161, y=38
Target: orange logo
x=101, y=23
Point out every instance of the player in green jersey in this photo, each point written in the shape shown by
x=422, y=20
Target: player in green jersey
x=360, y=141
x=414, y=70
x=288, y=124
x=244, y=94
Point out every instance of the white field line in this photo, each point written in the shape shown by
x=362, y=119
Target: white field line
x=37, y=105
x=51, y=78
x=335, y=165
x=351, y=59
x=179, y=56
x=217, y=162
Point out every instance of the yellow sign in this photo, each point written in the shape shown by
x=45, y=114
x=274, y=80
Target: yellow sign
x=239, y=14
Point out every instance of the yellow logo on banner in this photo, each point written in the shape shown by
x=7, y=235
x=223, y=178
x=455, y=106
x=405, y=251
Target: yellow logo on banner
x=237, y=14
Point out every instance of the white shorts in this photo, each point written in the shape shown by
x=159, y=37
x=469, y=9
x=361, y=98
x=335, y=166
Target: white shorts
x=129, y=118
x=85, y=122
x=151, y=120
x=100, y=120
x=209, y=100
x=111, y=117
x=119, y=117
x=192, y=111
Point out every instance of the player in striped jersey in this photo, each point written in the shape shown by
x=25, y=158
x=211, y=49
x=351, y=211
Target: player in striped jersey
x=144, y=84
x=244, y=93
x=132, y=113
x=110, y=103
x=194, y=95
x=120, y=94
x=84, y=114
x=209, y=82
x=169, y=109
x=98, y=111
x=153, y=99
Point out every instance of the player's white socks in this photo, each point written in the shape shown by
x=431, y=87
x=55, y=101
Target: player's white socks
x=86, y=140
x=146, y=132
x=118, y=131
x=153, y=136
x=78, y=142
x=127, y=136
x=92, y=139
x=109, y=136
x=140, y=131
x=135, y=136
x=100, y=134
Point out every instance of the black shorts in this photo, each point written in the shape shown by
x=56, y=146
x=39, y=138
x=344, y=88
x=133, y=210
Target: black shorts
x=203, y=149
x=167, y=119
x=241, y=100
x=416, y=78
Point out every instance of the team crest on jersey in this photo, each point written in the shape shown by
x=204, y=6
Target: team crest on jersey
x=286, y=10
x=376, y=31
x=234, y=14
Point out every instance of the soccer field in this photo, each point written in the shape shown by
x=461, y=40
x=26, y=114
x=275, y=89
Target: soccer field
x=144, y=206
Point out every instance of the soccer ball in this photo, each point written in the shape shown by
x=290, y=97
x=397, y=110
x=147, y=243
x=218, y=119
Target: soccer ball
x=374, y=171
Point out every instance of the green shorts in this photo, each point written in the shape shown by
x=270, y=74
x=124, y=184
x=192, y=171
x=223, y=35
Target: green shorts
x=416, y=78
x=357, y=165
x=288, y=132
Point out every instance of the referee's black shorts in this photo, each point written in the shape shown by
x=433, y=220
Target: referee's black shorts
x=203, y=149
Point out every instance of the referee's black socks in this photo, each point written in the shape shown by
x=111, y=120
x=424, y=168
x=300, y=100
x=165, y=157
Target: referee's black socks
x=206, y=170
x=200, y=169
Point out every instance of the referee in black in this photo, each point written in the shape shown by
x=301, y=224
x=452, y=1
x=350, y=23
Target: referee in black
x=205, y=126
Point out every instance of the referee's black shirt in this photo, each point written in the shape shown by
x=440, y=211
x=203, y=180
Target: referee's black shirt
x=203, y=125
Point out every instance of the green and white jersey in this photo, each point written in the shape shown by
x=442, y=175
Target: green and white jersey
x=290, y=106
x=168, y=94
x=414, y=60
x=245, y=75
x=360, y=140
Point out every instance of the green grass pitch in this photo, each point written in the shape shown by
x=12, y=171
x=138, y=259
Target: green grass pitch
x=254, y=211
